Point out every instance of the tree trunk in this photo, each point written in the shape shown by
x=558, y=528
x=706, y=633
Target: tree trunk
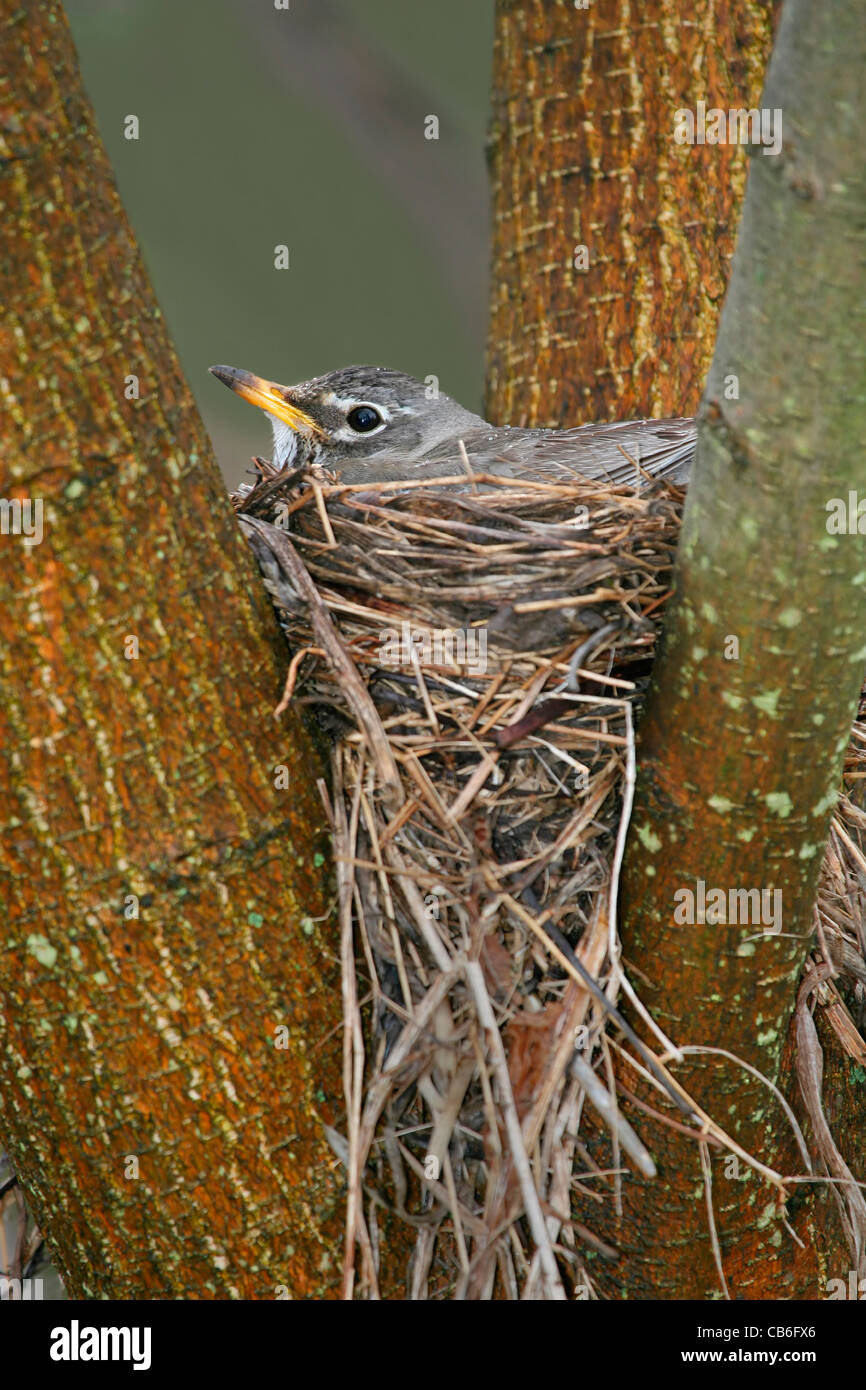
x=646, y=335
x=583, y=155
x=166, y=905
x=758, y=681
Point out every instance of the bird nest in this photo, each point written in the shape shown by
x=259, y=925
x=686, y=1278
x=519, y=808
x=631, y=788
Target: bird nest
x=475, y=648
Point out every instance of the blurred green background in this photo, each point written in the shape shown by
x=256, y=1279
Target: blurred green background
x=303, y=127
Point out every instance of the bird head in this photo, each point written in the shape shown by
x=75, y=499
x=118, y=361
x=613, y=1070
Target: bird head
x=349, y=419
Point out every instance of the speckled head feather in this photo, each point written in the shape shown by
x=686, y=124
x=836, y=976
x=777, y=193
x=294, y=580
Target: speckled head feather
x=353, y=416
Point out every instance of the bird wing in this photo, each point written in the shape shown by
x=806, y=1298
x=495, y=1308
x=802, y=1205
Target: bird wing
x=619, y=452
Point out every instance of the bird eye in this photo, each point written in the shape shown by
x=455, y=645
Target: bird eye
x=364, y=418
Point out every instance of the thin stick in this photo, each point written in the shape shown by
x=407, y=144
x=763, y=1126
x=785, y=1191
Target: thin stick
x=475, y=979
x=711, y=1217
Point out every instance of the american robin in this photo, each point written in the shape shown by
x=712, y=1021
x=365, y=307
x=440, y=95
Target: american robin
x=372, y=424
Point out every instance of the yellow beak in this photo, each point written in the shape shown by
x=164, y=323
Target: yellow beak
x=267, y=395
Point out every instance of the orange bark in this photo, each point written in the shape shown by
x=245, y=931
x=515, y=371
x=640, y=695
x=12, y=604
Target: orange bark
x=165, y=895
x=582, y=154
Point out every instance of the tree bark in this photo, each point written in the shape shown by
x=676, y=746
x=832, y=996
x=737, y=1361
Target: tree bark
x=582, y=154
x=582, y=150
x=166, y=903
x=758, y=680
